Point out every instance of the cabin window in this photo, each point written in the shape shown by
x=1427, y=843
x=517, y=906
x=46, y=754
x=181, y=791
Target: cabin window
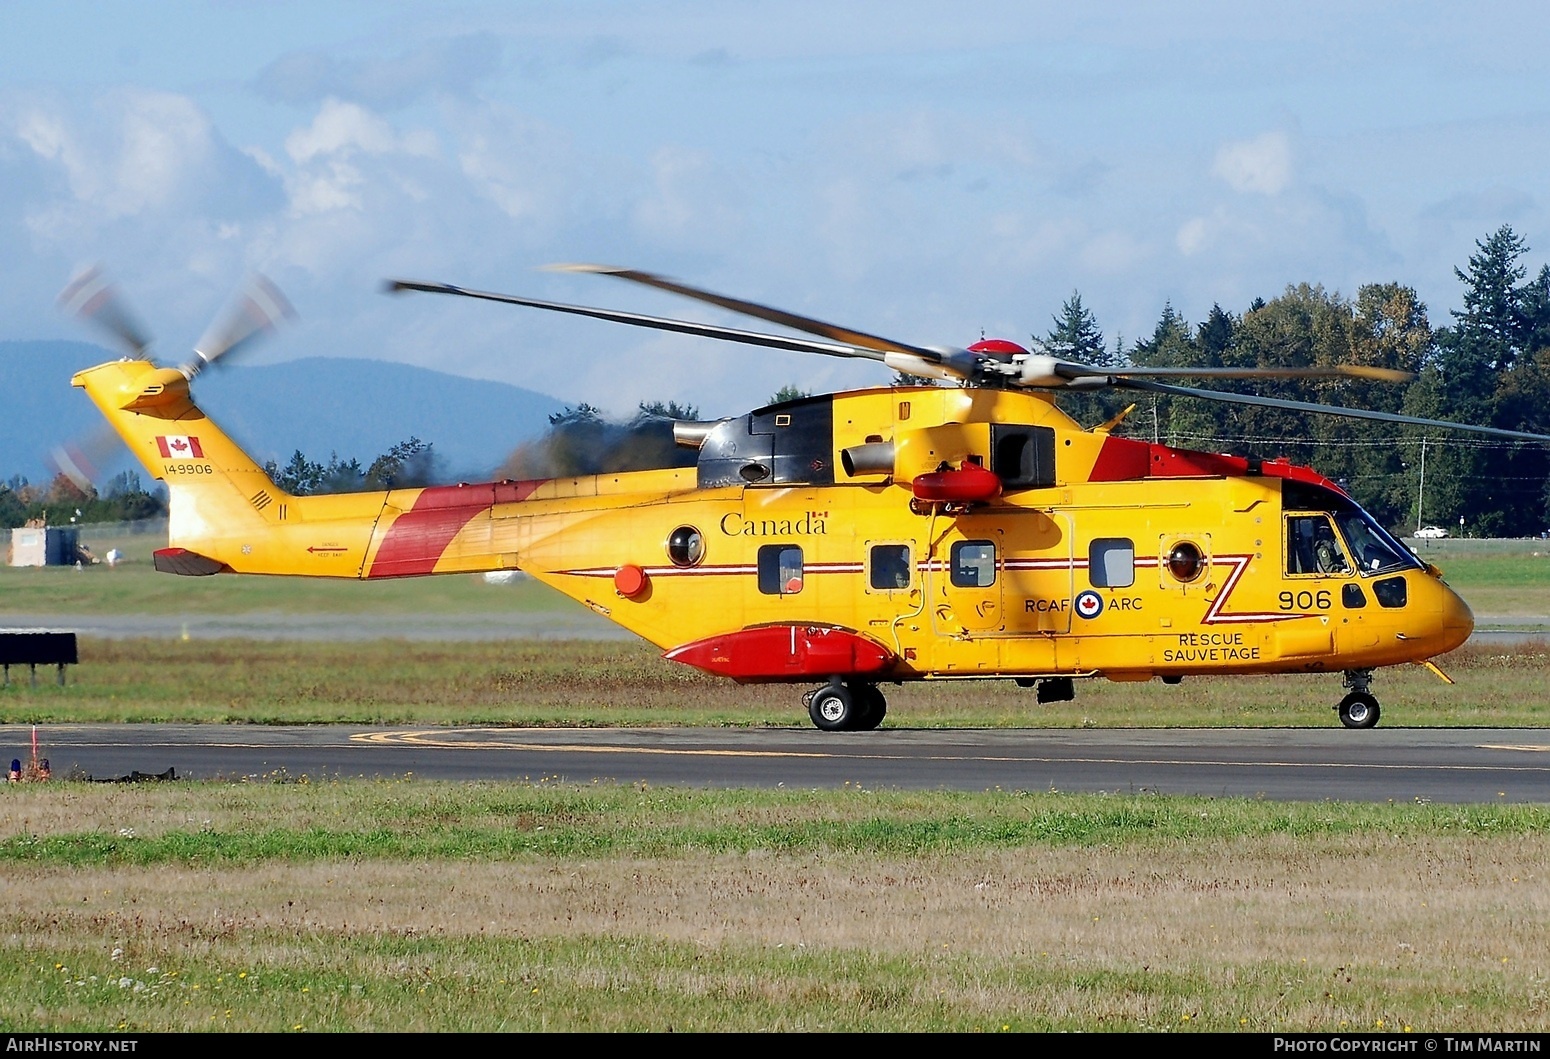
x=780, y=569
x=1312, y=547
x=890, y=566
x=1352, y=597
x=1111, y=562
x=973, y=564
x=1391, y=592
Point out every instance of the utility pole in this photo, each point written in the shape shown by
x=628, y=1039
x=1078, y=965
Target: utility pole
x=1420, y=498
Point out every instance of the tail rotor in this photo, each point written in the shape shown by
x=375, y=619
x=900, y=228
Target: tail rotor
x=256, y=309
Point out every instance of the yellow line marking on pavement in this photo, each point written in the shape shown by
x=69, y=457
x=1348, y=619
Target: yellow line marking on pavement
x=437, y=739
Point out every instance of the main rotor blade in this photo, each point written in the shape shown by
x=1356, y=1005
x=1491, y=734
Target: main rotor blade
x=1337, y=371
x=1322, y=409
x=93, y=297
x=257, y=308
x=686, y=327
x=762, y=312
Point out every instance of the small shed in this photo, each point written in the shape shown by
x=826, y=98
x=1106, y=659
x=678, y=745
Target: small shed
x=45, y=546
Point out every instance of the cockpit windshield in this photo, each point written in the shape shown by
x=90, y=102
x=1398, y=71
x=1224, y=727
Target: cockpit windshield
x=1372, y=548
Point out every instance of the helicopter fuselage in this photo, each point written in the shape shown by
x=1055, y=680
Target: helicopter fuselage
x=875, y=536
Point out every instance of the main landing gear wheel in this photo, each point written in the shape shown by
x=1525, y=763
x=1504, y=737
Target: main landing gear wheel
x=833, y=708
x=876, y=707
x=1358, y=710
x=847, y=707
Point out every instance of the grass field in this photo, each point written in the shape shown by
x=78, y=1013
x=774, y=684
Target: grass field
x=430, y=907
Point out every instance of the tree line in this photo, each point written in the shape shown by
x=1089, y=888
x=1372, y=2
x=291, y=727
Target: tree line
x=124, y=499
x=61, y=501
x=1490, y=366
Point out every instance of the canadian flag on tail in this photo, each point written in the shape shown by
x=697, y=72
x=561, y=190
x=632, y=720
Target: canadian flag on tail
x=175, y=446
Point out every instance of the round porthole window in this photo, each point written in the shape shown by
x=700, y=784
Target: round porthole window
x=685, y=546
x=1185, y=561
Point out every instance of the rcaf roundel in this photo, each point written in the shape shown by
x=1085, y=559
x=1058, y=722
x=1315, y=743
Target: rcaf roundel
x=1089, y=605
x=179, y=446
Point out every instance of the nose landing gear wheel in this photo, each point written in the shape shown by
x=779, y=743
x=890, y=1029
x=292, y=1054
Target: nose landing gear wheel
x=1358, y=710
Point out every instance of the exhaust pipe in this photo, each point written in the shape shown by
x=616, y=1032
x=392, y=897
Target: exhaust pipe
x=691, y=434
x=875, y=457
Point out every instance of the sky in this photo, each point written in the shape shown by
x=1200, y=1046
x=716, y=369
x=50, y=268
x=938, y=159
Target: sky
x=924, y=171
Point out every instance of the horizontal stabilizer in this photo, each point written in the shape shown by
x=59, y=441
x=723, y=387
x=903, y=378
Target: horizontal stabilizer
x=187, y=563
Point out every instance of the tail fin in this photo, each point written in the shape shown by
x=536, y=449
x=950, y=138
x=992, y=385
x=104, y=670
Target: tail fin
x=226, y=514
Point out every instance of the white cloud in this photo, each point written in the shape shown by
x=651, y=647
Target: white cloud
x=332, y=153
x=522, y=166
x=154, y=147
x=344, y=128
x=1263, y=164
x=1191, y=237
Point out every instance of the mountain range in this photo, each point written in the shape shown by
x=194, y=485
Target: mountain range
x=323, y=406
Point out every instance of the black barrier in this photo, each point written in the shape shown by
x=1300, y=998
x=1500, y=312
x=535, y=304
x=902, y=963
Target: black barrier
x=34, y=649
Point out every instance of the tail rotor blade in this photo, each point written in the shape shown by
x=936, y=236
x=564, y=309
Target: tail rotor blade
x=82, y=459
x=258, y=308
x=93, y=297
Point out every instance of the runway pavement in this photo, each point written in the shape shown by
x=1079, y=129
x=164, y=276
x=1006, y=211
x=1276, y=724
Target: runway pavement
x=1393, y=764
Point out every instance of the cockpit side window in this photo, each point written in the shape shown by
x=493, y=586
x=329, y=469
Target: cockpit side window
x=1367, y=547
x=1313, y=548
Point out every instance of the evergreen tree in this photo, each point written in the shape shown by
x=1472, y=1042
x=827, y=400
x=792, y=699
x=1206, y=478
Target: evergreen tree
x=1215, y=337
x=1181, y=421
x=581, y=413
x=406, y=465
x=667, y=410
x=788, y=392
x=1486, y=371
x=1076, y=337
x=299, y=477
x=340, y=476
x=13, y=512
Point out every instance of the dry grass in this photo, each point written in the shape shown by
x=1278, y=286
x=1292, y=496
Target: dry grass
x=1443, y=933
x=1212, y=914
x=1362, y=900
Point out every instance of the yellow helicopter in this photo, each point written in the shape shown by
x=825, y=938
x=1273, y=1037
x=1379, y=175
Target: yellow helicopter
x=858, y=539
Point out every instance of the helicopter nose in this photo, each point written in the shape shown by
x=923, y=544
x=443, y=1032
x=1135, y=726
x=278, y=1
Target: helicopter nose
x=1455, y=621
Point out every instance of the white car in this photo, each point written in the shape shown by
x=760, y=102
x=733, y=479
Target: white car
x=1431, y=533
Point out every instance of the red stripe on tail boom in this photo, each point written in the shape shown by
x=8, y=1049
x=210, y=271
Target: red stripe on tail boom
x=416, y=540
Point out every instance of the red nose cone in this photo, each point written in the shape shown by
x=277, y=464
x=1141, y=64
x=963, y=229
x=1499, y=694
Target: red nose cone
x=630, y=580
x=996, y=347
